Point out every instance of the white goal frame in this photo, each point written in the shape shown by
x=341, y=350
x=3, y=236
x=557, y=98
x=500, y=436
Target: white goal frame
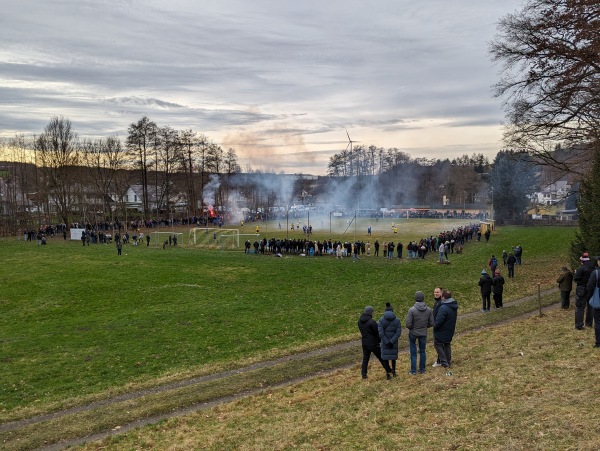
x=156, y=240
x=207, y=233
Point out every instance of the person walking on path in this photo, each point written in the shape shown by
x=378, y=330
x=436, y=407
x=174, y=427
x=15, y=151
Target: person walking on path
x=444, y=326
x=497, y=288
x=565, y=285
x=418, y=320
x=370, y=342
x=582, y=307
x=389, y=329
x=485, y=283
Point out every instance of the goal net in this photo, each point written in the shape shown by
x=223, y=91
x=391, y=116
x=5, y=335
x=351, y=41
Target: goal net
x=166, y=239
x=215, y=237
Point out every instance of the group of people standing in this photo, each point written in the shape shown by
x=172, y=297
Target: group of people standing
x=586, y=278
x=380, y=338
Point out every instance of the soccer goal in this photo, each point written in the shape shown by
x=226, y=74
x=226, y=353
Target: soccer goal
x=166, y=239
x=215, y=237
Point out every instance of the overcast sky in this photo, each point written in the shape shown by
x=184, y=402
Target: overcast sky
x=277, y=80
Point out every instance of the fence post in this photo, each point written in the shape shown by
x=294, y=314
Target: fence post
x=540, y=299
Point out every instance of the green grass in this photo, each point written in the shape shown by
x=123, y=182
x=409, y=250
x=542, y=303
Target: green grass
x=520, y=385
x=81, y=323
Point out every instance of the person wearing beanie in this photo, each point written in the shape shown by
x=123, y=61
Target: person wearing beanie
x=485, y=283
x=497, y=288
x=418, y=320
x=582, y=307
x=370, y=342
x=389, y=330
x=444, y=326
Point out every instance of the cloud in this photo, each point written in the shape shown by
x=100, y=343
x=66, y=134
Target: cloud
x=294, y=75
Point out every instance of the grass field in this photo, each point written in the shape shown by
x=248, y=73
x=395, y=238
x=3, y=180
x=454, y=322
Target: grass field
x=524, y=385
x=80, y=323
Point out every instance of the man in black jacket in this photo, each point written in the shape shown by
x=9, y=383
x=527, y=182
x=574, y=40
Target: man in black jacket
x=485, y=282
x=581, y=277
x=369, y=332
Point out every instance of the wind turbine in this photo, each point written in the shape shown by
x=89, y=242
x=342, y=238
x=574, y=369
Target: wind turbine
x=349, y=141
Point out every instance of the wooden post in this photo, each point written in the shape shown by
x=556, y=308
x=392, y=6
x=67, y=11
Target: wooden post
x=540, y=299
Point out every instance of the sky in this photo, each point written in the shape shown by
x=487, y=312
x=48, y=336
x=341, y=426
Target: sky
x=282, y=82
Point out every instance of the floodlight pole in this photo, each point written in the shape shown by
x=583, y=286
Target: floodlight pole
x=329, y=225
x=287, y=223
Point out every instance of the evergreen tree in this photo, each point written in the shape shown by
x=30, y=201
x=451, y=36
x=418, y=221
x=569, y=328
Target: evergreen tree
x=587, y=238
x=512, y=178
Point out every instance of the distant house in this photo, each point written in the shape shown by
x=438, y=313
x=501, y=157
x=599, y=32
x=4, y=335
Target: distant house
x=552, y=194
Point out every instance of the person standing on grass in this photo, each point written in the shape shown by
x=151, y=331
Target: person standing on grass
x=418, y=319
x=593, y=282
x=510, y=264
x=437, y=302
x=389, y=329
x=369, y=333
x=444, y=326
x=565, y=285
x=581, y=278
x=119, y=247
x=485, y=284
x=497, y=288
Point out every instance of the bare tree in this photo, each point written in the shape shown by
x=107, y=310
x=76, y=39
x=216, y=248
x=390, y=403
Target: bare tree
x=141, y=140
x=103, y=159
x=550, y=54
x=58, y=156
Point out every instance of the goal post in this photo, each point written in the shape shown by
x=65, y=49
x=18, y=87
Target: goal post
x=214, y=237
x=160, y=238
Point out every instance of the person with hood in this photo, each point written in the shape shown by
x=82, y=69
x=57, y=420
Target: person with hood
x=418, y=319
x=389, y=329
x=485, y=283
x=497, y=288
x=565, y=285
x=504, y=257
x=582, y=307
x=370, y=342
x=444, y=326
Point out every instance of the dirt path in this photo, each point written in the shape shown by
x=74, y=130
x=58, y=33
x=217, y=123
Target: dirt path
x=15, y=425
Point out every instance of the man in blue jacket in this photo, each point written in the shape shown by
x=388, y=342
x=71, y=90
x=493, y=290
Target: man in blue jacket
x=443, y=329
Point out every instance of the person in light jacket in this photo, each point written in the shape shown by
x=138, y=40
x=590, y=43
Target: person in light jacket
x=418, y=320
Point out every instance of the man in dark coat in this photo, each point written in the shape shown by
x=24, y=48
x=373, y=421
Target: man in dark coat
x=565, y=285
x=593, y=282
x=510, y=264
x=389, y=330
x=437, y=302
x=497, y=288
x=581, y=277
x=485, y=282
x=370, y=342
x=444, y=326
